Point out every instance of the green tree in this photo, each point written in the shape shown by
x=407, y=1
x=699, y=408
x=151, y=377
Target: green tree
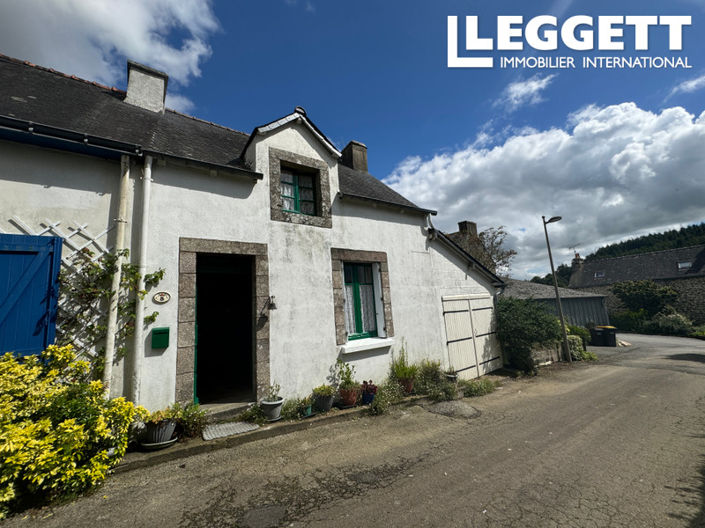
x=562, y=276
x=644, y=295
x=500, y=257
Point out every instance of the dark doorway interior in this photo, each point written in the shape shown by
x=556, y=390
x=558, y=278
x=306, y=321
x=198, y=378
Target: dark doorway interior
x=224, y=326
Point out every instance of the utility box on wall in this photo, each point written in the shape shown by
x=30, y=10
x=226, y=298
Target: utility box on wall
x=160, y=337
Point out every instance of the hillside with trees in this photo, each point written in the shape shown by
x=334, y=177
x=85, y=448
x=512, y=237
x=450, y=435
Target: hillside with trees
x=677, y=238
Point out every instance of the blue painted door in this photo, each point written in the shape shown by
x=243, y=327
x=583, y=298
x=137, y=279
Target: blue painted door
x=29, y=291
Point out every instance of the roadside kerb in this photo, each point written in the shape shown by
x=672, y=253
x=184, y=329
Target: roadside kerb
x=142, y=459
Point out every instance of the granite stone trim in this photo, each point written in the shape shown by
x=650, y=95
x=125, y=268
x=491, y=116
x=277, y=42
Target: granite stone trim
x=338, y=257
x=185, y=352
x=323, y=214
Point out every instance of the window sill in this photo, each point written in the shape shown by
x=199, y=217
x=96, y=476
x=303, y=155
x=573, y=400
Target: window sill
x=368, y=343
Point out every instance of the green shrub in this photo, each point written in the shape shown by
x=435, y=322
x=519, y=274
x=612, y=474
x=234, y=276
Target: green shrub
x=669, y=324
x=446, y=390
x=479, y=387
x=59, y=435
x=401, y=369
x=324, y=391
x=388, y=393
x=644, y=295
x=190, y=420
x=575, y=345
x=581, y=332
x=521, y=324
x=629, y=320
x=698, y=332
x=253, y=414
x=291, y=409
x=429, y=377
x=588, y=356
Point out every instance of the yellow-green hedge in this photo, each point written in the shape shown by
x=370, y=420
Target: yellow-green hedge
x=56, y=428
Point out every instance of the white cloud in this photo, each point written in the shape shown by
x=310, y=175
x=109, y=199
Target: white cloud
x=612, y=173
x=690, y=86
x=92, y=39
x=524, y=93
x=179, y=103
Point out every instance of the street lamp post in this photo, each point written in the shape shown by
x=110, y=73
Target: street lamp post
x=566, y=350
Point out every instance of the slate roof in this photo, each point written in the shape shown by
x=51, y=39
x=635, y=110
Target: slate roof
x=657, y=265
x=532, y=290
x=41, y=95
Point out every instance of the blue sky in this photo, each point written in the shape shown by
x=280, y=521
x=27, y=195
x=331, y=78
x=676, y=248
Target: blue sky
x=616, y=152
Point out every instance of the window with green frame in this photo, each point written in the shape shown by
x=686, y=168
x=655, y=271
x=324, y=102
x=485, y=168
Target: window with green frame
x=360, y=313
x=298, y=191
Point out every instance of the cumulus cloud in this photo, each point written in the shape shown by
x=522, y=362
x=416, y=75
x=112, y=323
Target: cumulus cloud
x=690, y=86
x=524, y=93
x=92, y=39
x=612, y=173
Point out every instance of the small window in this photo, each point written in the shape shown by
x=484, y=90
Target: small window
x=599, y=274
x=684, y=265
x=298, y=191
x=360, y=310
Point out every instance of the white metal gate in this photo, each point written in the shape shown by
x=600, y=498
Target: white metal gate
x=471, y=334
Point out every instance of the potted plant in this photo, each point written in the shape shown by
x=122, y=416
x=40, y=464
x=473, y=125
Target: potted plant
x=271, y=404
x=404, y=372
x=159, y=429
x=450, y=374
x=368, y=392
x=348, y=388
x=323, y=397
x=306, y=407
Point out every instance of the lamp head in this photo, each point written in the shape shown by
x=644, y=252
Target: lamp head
x=553, y=219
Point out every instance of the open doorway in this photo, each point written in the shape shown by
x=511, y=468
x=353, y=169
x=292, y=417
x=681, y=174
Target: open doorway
x=225, y=368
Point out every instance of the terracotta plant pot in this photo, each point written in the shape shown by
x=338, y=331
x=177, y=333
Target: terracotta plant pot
x=348, y=397
x=407, y=385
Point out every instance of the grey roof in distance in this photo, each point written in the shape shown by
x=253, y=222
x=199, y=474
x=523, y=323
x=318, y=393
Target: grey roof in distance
x=645, y=266
x=531, y=290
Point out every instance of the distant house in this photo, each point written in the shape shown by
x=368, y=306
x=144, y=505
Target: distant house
x=467, y=238
x=683, y=269
x=579, y=307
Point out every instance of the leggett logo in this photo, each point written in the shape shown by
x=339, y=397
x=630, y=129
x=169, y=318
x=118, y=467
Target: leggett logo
x=577, y=33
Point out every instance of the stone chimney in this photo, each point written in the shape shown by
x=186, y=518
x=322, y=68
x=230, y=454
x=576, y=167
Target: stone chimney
x=146, y=87
x=576, y=268
x=468, y=228
x=355, y=156
x=466, y=237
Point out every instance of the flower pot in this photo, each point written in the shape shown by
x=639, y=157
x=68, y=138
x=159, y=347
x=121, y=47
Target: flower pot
x=324, y=403
x=272, y=409
x=407, y=384
x=453, y=378
x=158, y=433
x=348, y=397
x=306, y=411
x=367, y=398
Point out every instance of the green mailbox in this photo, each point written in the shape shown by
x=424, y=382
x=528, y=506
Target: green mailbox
x=160, y=337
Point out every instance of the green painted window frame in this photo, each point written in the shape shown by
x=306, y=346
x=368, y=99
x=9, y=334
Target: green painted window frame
x=355, y=273
x=297, y=185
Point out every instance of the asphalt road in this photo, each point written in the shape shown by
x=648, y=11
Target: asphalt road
x=618, y=443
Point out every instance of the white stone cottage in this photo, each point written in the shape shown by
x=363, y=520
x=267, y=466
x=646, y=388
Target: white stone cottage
x=282, y=253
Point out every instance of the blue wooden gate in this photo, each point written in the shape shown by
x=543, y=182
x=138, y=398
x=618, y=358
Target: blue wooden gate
x=29, y=292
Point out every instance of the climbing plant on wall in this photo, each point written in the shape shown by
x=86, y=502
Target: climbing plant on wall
x=84, y=296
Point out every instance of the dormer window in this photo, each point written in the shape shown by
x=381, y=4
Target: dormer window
x=298, y=191
x=599, y=275
x=682, y=266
